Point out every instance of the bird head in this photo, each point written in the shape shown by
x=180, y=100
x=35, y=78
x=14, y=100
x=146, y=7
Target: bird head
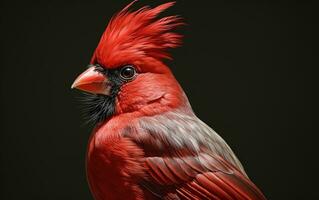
x=127, y=73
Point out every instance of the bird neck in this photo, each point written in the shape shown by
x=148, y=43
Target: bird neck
x=152, y=95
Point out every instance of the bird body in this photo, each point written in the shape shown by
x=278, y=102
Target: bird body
x=148, y=143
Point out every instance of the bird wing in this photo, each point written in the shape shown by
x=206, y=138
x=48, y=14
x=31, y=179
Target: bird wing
x=201, y=176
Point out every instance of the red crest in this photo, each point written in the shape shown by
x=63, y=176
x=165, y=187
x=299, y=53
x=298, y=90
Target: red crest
x=134, y=37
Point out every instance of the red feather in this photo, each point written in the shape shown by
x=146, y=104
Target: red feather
x=133, y=37
x=211, y=178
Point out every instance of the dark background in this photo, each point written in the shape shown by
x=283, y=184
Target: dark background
x=246, y=68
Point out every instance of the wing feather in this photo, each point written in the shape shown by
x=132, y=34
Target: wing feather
x=186, y=159
x=201, y=176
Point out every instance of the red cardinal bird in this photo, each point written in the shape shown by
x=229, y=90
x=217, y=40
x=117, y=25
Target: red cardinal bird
x=147, y=142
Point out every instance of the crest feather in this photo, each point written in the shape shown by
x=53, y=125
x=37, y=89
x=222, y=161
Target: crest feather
x=137, y=35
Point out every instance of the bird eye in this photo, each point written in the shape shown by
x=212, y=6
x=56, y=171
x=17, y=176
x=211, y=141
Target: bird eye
x=128, y=72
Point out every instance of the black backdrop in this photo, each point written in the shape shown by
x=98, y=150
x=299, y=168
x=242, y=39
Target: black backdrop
x=246, y=68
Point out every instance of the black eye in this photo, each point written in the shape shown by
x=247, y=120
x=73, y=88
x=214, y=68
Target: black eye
x=128, y=72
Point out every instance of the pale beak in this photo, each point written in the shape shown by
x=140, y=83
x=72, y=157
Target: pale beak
x=92, y=81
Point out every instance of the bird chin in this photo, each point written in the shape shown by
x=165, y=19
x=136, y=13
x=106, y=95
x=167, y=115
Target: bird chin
x=97, y=107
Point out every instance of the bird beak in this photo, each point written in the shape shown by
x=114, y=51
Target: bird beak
x=92, y=81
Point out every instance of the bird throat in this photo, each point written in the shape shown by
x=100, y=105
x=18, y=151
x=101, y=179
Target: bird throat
x=97, y=108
